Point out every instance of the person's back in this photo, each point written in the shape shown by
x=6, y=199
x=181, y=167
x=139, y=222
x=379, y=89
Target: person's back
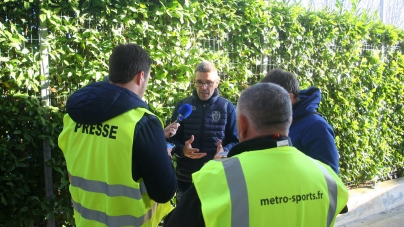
x=270, y=187
x=115, y=149
x=310, y=132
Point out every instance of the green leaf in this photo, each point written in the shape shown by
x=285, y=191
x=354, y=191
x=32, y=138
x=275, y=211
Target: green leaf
x=26, y=5
x=42, y=17
x=4, y=59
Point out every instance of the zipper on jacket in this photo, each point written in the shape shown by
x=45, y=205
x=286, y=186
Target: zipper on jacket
x=203, y=127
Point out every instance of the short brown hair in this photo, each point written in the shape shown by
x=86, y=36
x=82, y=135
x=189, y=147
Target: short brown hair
x=285, y=79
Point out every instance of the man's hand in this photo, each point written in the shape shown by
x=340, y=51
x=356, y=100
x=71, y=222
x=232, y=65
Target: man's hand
x=219, y=149
x=190, y=152
x=171, y=130
x=169, y=152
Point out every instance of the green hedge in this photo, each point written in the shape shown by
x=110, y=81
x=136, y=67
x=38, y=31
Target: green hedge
x=358, y=64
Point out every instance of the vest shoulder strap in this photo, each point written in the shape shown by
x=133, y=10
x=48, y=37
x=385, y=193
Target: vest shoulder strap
x=222, y=102
x=149, y=112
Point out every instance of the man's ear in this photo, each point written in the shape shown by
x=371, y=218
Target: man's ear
x=217, y=81
x=243, y=126
x=139, y=77
x=292, y=98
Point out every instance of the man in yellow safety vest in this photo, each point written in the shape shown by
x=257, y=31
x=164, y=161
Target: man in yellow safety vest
x=265, y=181
x=115, y=148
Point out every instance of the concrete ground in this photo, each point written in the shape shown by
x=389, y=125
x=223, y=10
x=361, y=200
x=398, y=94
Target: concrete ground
x=381, y=206
x=390, y=218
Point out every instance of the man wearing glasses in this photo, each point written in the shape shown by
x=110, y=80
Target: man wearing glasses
x=209, y=132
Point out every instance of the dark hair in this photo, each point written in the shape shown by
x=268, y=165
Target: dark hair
x=284, y=79
x=267, y=106
x=126, y=61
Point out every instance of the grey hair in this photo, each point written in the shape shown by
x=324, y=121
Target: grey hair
x=205, y=67
x=267, y=106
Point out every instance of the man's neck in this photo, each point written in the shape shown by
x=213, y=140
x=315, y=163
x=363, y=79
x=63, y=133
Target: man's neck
x=130, y=86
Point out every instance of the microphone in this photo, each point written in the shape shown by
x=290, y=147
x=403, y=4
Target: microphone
x=183, y=112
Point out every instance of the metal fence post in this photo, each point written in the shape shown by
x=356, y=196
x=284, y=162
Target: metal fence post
x=43, y=33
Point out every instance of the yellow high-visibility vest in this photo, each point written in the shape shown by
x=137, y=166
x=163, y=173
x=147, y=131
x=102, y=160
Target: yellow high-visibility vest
x=99, y=160
x=272, y=187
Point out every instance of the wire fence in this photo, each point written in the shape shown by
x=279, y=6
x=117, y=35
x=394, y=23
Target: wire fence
x=264, y=63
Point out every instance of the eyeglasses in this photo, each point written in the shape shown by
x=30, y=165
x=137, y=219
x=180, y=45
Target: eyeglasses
x=208, y=83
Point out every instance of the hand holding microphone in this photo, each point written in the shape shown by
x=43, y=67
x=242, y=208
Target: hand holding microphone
x=171, y=129
x=183, y=112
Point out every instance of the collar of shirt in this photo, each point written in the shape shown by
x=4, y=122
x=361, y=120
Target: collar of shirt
x=260, y=143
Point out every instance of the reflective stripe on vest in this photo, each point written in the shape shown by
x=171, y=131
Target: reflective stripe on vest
x=110, y=190
x=104, y=192
x=332, y=192
x=113, y=221
x=240, y=216
x=238, y=192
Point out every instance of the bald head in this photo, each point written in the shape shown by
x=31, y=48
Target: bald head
x=267, y=109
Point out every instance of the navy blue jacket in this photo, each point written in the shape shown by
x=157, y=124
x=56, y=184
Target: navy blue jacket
x=310, y=132
x=210, y=121
x=102, y=101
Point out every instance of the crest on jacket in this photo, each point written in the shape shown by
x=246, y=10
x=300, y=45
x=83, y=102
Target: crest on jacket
x=216, y=115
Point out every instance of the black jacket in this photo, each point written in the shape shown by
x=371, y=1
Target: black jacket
x=210, y=121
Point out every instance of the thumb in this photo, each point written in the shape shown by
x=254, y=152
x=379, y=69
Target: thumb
x=219, y=147
x=190, y=140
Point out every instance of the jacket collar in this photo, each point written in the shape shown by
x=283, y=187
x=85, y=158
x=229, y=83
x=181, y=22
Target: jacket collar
x=260, y=143
x=212, y=99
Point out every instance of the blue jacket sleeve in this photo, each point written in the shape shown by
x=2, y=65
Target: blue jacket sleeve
x=231, y=135
x=151, y=161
